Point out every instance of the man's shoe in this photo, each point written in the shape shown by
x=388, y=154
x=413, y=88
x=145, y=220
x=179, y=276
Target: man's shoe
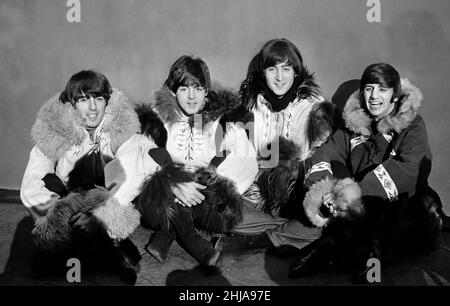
x=159, y=244
x=315, y=257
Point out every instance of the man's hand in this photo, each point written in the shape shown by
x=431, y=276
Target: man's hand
x=85, y=223
x=187, y=194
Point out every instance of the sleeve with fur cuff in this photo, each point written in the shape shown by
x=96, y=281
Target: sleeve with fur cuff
x=318, y=166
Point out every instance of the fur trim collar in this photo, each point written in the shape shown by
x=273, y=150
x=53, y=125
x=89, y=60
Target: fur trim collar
x=58, y=126
x=218, y=102
x=358, y=120
x=252, y=86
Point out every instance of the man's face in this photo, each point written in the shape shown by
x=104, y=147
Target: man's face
x=378, y=100
x=91, y=109
x=191, y=98
x=280, y=78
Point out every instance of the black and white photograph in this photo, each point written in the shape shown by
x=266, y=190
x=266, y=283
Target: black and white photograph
x=224, y=148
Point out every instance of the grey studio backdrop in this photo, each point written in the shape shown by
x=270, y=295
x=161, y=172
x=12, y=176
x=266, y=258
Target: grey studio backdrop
x=134, y=42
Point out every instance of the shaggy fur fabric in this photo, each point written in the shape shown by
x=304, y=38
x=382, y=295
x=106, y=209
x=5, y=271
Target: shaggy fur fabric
x=53, y=231
x=314, y=200
x=120, y=221
x=156, y=197
x=323, y=120
x=219, y=212
x=358, y=121
x=58, y=126
x=151, y=125
x=276, y=184
x=346, y=195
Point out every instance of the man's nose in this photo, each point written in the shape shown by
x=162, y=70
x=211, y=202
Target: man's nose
x=279, y=74
x=191, y=93
x=92, y=103
x=375, y=92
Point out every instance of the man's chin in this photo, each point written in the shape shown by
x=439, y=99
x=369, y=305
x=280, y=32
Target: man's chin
x=92, y=125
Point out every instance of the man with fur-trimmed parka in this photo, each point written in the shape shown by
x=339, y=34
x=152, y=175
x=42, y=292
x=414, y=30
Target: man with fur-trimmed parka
x=287, y=120
x=369, y=183
x=204, y=169
x=86, y=166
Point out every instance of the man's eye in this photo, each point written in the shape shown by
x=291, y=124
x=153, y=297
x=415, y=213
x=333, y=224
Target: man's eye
x=199, y=88
x=100, y=99
x=82, y=99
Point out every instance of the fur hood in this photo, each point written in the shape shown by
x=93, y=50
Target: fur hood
x=218, y=101
x=58, y=126
x=254, y=85
x=358, y=120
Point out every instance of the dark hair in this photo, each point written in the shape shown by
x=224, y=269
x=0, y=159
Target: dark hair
x=383, y=74
x=188, y=71
x=86, y=83
x=278, y=51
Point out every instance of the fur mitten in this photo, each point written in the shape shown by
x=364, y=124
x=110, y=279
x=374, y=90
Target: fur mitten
x=53, y=231
x=219, y=212
x=274, y=186
x=331, y=198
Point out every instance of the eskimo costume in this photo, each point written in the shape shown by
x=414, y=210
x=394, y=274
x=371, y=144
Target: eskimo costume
x=296, y=129
x=390, y=160
x=65, y=162
x=196, y=150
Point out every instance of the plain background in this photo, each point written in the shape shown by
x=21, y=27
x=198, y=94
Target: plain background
x=134, y=43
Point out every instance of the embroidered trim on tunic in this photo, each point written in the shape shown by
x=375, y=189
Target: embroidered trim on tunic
x=357, y=141
x=189, y=139
x=322, y=166
x=282, y=122
x=386, y=182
